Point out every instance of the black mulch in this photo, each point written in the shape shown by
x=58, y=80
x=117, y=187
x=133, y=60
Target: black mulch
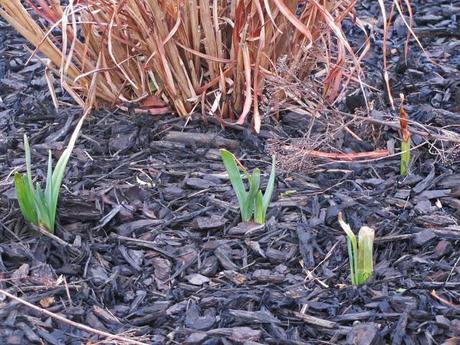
x=158, y=254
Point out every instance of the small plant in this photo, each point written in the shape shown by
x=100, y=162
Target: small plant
x=38, y=206
x=405, y=139
x=251, y=202
x=359, y=252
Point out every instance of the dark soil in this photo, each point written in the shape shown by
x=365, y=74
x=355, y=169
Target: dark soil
x=158, y=254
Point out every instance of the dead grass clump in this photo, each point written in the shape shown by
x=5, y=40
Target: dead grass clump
x=212, y=54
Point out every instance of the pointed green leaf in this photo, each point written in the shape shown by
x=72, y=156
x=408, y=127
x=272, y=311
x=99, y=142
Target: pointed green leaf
x=28, y=162
x=405, y=157
x=43, y=210
x=254, y=186
x=25, y=198
x=54, y=178
x=270, y=186
x=259, y=212
x=49, y=178
x=234, y=175
x=60, y=168
x=352, y=249
x=352, y=261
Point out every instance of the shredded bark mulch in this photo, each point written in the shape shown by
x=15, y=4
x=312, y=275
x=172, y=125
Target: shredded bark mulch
x=155, y=250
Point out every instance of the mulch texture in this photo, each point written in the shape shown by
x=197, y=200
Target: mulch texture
x=158, y=253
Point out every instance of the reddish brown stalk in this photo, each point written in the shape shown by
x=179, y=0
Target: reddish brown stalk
x=348, y=156
x=405, y=139
x=443, y=300
x=405, y=135
x=45, y=11
x=247, y=82
x=293, y=18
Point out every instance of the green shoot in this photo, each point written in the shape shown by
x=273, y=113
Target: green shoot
x=237, y=184
x=262, y=201
x=359, y=252
x=39, y=206
x=405, y=157
x=251, y=202
x=405, y=139
x=365, y=254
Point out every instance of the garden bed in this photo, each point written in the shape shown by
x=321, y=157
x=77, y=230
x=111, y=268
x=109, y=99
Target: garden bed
x=157, y=253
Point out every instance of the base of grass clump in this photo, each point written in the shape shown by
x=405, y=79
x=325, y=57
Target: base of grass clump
x=180, y=55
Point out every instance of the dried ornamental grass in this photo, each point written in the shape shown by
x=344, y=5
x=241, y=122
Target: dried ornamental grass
x=212, y=54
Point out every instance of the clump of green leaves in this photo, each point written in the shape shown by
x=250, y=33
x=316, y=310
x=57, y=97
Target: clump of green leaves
x=251, y=202
x=38, y=206
x=359, y=252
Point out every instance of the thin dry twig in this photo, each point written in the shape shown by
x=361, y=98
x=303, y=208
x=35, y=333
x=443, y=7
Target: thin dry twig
x=85, y=328
x=48, y=234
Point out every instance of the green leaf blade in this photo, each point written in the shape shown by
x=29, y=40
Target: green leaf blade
x=237, y=183
x=352, y=250
x=405, y=157
x=254, y=186
x=259, y=214
x=352, y=262
x=45, y=219
x=49, y=179
x=25, y=198
x=270, y=186
x=365, y=255
x=28, y=162
x=58, y=174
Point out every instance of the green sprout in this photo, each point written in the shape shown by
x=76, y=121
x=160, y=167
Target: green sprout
x=405, y=157
x=251, y=202
x=405, y=139
x=359, y=252
x=38, y=206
